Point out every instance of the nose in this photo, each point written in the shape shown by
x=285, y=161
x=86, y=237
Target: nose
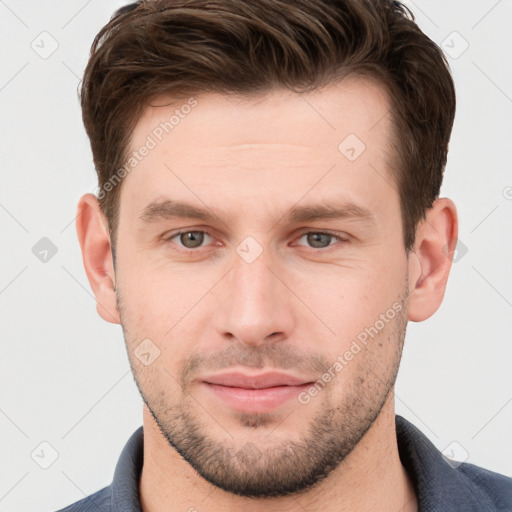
x=255, y=306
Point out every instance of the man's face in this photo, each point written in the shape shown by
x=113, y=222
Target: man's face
x=256, y=289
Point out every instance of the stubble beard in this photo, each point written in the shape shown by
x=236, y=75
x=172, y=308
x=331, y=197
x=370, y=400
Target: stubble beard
x=279, y=467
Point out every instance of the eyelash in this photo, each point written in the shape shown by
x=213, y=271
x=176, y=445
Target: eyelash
x=340, y=239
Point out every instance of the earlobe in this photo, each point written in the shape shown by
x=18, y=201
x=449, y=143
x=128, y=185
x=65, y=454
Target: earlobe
x=97, y=256
x=431, y=259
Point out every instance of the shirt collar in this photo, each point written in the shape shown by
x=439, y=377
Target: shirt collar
x=439, y=485
x=125, y=485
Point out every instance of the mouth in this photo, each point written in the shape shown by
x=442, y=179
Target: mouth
x=255, y=393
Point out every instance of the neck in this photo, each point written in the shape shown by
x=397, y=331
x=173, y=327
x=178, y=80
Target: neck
x=370, y=478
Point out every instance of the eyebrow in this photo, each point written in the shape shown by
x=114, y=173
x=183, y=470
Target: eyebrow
x=170, y=209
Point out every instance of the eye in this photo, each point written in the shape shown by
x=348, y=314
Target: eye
x=195, y=239
x=321, y=239
x=189, y=239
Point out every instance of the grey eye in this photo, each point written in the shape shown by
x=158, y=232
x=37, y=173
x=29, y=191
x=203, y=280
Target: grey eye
x=319, y=240
x=192, y=239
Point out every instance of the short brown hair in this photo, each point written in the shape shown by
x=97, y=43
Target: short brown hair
x=187, y=47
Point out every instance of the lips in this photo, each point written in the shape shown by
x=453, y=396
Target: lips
x=265, y=380
x=255, y=393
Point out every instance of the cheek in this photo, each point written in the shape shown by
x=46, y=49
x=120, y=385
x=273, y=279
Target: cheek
x=350, y=299
x=157, y=296
x=166, y=307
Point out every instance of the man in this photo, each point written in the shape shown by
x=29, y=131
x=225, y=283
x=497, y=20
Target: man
x=267, y=222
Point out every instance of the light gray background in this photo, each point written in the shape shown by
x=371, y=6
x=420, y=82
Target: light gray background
x=64, y=373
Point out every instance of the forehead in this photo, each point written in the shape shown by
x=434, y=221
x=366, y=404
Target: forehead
x=355, y=105
x=221, y=148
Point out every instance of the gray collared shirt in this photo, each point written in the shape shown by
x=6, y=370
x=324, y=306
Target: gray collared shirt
x=440, y=486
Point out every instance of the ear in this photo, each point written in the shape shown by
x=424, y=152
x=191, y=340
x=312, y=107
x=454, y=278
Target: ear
x=431, y=259
x=94, y=239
